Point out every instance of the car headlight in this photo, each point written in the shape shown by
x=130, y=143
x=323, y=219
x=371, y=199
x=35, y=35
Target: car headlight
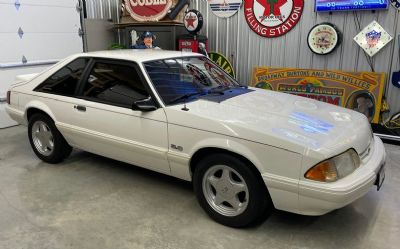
x=335, y=168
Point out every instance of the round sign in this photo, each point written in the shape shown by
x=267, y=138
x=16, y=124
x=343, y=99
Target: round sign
x=193, y=21
x=225, y=8
x=223, y=62
x=324, y=38
x=148, y=10
x=396, y=4
x=272, y=18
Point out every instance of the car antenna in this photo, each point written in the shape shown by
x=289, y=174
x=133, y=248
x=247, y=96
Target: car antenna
x=184, y=107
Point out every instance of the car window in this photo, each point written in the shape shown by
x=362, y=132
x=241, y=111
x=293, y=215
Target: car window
x=114, y=84
x=188, y=75
x=65, y=81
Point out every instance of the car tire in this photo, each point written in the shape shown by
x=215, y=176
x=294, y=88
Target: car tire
x=231, y=191
x=46, y=141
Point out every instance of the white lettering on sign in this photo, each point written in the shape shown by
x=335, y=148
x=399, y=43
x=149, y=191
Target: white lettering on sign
x=186, y=43
x=135, y=3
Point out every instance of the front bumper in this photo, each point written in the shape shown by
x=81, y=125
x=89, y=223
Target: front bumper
x=319, y=198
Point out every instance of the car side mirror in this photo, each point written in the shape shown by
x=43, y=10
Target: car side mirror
x=144, y=105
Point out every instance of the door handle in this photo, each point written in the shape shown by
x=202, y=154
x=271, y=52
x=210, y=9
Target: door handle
x=80, y=108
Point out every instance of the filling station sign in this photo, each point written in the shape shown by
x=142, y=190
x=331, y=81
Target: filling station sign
x=273, y=18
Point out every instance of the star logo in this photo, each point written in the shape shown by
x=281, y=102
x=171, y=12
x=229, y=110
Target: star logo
x=272, y=7
x=273, y=18
x=190, y=20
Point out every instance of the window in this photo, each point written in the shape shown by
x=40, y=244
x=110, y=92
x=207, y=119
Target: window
x=65, y=81
x=114, y=84
x=188, y=75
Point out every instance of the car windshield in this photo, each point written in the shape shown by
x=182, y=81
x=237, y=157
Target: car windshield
x=181, y=79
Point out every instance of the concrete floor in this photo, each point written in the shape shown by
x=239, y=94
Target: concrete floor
x=93, y=202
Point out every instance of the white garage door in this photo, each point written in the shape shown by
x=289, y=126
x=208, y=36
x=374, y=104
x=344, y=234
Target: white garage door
x=33, y=35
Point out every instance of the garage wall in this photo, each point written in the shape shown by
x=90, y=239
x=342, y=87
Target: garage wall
x=35, y=34
x=236, y=40
x=246, y=49
x=103, y=9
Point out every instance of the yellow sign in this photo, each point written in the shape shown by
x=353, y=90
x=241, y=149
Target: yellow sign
x=360, y=91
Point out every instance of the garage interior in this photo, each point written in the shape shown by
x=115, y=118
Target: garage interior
x=89, y=201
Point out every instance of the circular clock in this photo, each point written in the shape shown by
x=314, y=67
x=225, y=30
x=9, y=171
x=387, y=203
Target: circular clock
x=193, y=21
x=324, y=38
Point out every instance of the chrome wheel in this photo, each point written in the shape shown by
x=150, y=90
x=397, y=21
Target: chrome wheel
x=225, y=190
x=42, y=138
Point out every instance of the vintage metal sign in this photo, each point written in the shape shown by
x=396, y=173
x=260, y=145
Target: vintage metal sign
x=360, y=91
x=272, y=18
x=148, y=10
x=225, y=8
x=373, y=38
x=193, y=21
x=223, y=62
x=396, y=4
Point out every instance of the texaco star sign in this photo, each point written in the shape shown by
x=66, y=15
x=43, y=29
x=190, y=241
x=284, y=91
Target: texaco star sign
x=193, y=21
x=272, y=18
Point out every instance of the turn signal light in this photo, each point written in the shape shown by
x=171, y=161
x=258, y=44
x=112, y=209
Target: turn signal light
x=323, y=172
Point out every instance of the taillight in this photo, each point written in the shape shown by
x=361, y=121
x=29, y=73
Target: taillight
x=9, y=97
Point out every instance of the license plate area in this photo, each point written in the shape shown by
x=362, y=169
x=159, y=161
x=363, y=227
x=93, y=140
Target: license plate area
x=380, y=177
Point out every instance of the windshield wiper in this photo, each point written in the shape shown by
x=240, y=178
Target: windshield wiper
x=219, y=90
x=184, y=97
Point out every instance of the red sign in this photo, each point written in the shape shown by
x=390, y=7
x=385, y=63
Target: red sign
x=148, y=10
x=193, y=21
x=272, y=18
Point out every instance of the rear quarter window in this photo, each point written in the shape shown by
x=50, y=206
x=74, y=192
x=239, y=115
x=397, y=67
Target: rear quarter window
x=64, y=81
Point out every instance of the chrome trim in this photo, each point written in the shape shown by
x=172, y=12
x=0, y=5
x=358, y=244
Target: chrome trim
x=28, y=64
x=389, y=137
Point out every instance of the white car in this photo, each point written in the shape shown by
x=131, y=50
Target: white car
x=246, y=150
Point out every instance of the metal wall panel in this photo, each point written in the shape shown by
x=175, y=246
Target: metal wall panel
x=246, y=49
x=103, y=9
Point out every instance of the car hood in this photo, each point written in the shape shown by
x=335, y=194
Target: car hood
x=277, y=119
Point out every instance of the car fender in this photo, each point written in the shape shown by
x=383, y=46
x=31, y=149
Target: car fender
x=230, y=146
x=40, y=106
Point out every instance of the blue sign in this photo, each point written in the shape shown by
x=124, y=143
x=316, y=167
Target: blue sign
x=342, y=5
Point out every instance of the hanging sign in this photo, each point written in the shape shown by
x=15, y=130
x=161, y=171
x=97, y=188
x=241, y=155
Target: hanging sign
x=193, y=21
x=324, y=38
x=373, y=38
x=148, y=10
x=360, y=91
x=396, y=4
x=272, y=18
x=225, y=8
x=223, y=62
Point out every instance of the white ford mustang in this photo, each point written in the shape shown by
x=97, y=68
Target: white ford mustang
x=246, y=150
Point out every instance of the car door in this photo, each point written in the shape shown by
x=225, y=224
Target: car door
x=105, y=123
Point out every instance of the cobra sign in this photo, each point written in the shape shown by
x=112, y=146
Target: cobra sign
x=273, y=18
x=148, y=10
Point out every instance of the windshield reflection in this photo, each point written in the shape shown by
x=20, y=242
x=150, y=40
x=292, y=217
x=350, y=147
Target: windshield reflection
x=183, y=79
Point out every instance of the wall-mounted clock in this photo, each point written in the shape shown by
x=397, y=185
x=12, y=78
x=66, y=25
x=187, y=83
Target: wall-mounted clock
x=373, y=38
x=324, y=38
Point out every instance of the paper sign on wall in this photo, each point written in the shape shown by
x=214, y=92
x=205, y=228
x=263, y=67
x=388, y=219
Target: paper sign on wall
x=360, y=91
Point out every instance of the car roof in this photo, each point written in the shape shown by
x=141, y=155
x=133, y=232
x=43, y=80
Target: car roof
x=139, y=55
